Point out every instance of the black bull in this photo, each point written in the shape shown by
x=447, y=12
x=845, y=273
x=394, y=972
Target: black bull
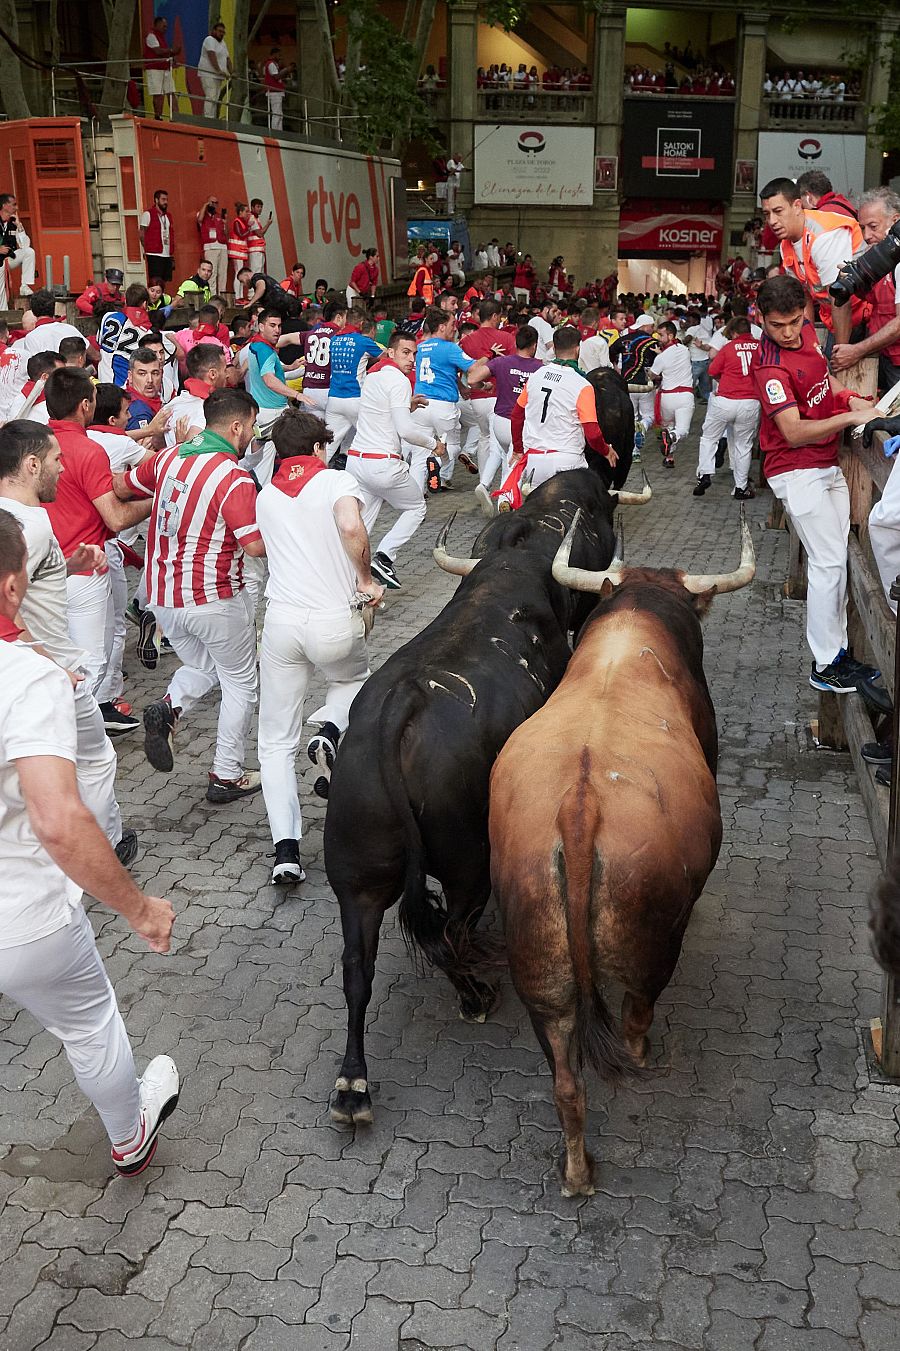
x=615, y=414
x=409, y=791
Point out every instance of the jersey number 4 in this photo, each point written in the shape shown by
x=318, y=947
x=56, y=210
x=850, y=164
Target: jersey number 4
x=426, y=374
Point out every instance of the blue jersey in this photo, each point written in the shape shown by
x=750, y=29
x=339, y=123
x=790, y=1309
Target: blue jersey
x=348, y=352
x=437, y=364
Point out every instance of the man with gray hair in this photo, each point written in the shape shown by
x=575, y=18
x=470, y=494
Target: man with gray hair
x=878, y=211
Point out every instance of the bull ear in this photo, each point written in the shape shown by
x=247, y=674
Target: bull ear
x=607, y=588
x=703, y=601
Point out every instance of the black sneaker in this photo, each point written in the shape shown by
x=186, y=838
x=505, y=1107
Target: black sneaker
x=287, y=870
x=126, y=849
x=160, y=721
x=721, y=452
x=883, y=776
x=147, y=644
x=877, y=752
x=383, y=569
x=230, y=790
x=116, y=722
x=703, y=482
x=338, y=461
x=861, y=670
x=433, y=474
x=665, y=442
x=669, y=461
x=322, y=751
x=838, y=678
x=133, y=612
x=468, y=463
x=743, y=494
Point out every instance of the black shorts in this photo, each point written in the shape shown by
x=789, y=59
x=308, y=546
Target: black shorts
x=159, y=267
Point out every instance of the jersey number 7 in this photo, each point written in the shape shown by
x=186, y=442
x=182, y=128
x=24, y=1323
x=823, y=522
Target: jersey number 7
x=546, y=393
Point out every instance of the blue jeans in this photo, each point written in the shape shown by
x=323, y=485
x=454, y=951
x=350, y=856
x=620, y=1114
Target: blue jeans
x=702, y=385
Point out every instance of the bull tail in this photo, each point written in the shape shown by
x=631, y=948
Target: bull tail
x=597, y=1040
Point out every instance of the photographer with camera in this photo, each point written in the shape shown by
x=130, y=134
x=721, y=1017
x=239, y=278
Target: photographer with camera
x=879, y=214
x=814, y=246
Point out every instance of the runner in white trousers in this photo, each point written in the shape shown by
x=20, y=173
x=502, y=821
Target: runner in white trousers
x=52, y=850
x=30, y=463
x=374, y=459
x=733, y=411
x=439, y=364
x=320, y=584
x=671, y=371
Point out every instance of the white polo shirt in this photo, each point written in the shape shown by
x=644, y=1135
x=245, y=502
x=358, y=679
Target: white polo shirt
x=308, y=567
x=37, y=717
x=674, y=365
x=45, y=607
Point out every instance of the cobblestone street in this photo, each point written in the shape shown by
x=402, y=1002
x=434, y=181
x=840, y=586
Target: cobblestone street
x=747, y=1189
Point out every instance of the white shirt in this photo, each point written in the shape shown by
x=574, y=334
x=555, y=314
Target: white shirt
x=38, y=413
x=185, y=405
x=545, y=338
x=45, y=606
x=481, y=260
x=593, y=353
x=674, y=365
x=42, y=338
x=718, y=339
x=830, y=251
x=454, y=170
x=493, y=255
x=164, y=231
x=384, y=417
x=308, y=565
x=555, y=395
x=697, y=333
x=122, y=451
x=37, y=717
x=212, y=47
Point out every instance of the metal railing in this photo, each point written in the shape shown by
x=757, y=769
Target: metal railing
x=535, y=102
x=778, y=111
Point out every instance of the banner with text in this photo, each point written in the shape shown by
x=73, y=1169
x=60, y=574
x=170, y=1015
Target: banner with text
x=534, y=166
x=642, y=233
x=677, y=147
x=788, y=154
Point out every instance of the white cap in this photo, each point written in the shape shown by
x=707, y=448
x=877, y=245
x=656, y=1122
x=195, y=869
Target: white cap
x=644, y=321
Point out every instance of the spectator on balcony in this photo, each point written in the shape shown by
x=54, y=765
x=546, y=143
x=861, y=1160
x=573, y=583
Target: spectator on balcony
x=430, y=81
x=455, y=170
x=214, y=67
x=524, y=280
x=158, y=65
x=818, y=194
x=480, y=259
x=273, y=79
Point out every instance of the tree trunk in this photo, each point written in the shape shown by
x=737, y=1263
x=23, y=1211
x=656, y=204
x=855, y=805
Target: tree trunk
x=332, y=84
x=119, y=22
x=423, y=31
x=12, y=91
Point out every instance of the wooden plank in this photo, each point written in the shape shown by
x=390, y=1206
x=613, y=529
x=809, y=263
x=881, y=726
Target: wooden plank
x=795, y=583
x=858, y=730
x=871, y=458
x=877, y=618
x=831, y=723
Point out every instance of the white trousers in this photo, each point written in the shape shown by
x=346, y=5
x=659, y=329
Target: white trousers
x=256, y=260
x=644, y=406
x=275, y=100
x=476, y=415
x=62, y=983
x=738, y=419
x=92, y=623
x=212, y=87
x=342, y=416
x=319, y=396
x=389, y=481
x=545, y=466
x=25, y=259
x=112, y=684
x=818, y=503
x=296, y=642
x=676, y=410
x=95, y=765
x=217, y=254
x=884, y=533
x=441, y=417
x=217, y=643
x=499, y=445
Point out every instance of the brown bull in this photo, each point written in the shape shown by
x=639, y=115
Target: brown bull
x=605, y=824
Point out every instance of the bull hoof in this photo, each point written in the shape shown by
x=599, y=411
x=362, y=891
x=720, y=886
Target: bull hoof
x=351, y=1104
x=578, y=1188
x=579, y=1182
x=639, y=1048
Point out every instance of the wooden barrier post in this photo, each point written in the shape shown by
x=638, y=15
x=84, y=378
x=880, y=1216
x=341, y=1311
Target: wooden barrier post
x=889, y=1057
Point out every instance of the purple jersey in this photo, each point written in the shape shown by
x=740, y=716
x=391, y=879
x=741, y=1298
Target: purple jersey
x=510, y=374
x=317, y=352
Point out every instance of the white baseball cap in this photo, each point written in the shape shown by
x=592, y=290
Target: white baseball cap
x=644, y=321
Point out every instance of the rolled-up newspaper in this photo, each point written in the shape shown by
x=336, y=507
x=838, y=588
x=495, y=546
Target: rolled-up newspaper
x=883, y=407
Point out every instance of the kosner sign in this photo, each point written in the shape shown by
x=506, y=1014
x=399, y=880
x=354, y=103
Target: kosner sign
x=678, y=232
x=788, y=154
x=534, y=166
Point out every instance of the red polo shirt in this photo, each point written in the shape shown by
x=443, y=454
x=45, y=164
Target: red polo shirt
x=86, y=476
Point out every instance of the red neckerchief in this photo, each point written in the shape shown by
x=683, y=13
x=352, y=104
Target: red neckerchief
x=8, y=631
x=108, y=427
x=154, y=402
x=199, y=388
x=257, y=337
x=385, y=363
x=28, y=387
x=47, y=319
x=292, y=475
x=137, y=314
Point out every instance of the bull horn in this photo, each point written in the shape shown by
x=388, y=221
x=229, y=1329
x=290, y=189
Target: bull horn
x=460, y=567
x=697, y=583
x=580, y=579
x=634, y=499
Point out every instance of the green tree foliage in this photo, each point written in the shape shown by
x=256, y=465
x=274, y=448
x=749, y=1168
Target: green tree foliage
x=380, y=81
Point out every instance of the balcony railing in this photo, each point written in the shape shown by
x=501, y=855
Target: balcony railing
x=815, y=114
x=510, y=105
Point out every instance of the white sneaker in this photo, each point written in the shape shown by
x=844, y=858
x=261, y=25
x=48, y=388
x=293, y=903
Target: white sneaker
x=159, y=1087
x=485, y=500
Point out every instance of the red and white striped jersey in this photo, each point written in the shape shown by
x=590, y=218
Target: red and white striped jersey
x=204, y=511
